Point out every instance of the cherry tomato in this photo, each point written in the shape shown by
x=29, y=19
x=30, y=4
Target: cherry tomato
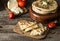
x=52, y=25
x=22, y=3
x=11, y=15
x=21, y=0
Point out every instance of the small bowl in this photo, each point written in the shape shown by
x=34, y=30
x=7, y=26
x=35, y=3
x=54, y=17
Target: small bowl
x=42, y=17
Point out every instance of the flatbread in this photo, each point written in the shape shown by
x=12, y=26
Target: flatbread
x=27, y=34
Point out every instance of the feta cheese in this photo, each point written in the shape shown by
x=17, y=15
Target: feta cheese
x=35, y=32
x=13, y=6
x=44, y=3
x=17, y=10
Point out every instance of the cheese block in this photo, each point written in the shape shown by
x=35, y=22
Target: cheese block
x=13, y=6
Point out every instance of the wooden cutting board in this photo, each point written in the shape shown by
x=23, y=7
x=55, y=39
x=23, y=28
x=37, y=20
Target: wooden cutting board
x=18, y=30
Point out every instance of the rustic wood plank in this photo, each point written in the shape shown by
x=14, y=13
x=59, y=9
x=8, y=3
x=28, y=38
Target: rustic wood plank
x=6, y=29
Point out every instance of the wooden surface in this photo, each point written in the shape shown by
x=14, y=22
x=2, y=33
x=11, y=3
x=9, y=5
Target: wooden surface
x=7, y=34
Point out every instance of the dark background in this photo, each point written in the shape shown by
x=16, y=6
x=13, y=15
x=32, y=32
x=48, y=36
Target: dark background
x=3, y=2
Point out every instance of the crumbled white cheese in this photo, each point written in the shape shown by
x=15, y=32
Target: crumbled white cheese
x=35, y=32
x=44, y=3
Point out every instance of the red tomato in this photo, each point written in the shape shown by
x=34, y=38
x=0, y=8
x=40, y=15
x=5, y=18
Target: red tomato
x=52, y=25
x=11, y=15
x=21, y=0
x=22, y=3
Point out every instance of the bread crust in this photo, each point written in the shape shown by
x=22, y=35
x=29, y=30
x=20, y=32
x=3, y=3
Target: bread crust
x=27, y=34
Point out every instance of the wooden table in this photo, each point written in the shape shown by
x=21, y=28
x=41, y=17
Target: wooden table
x=7, y=34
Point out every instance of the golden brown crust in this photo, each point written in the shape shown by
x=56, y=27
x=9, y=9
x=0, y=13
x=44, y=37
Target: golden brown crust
x=37, y=35
x=17, y=30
